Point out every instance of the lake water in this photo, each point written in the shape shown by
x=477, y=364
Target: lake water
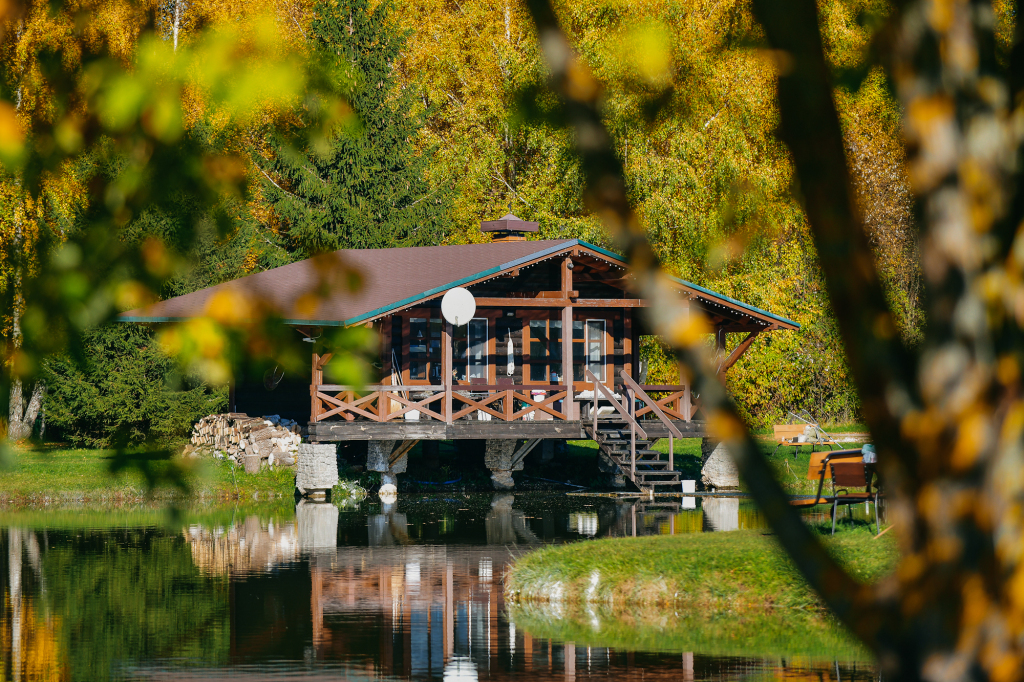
x=410, y=591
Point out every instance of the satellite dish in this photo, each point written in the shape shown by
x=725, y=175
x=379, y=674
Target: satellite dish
x=458, y=306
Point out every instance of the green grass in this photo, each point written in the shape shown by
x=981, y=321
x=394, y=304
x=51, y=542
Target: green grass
x=713, y=572
x=61, y=476
x=730, y=593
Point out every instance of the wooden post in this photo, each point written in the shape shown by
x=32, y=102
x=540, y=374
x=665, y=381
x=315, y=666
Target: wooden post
x=446, y=370
x=671, y=453
x=686, y=408
x=571, y=412
x=632, y=434
x=314, y=403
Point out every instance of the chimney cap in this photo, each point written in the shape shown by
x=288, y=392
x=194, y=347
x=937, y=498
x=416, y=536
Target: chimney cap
x=509, y=223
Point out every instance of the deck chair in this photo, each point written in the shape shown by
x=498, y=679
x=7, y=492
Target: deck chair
x=818, y=468
x=848, y=475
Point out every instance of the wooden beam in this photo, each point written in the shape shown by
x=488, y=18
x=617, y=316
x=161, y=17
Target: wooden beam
x=447, y=369
x=569, y=405
x=737, y=352
x=560, y=303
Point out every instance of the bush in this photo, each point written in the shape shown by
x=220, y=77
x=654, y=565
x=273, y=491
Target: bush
x=124, y=391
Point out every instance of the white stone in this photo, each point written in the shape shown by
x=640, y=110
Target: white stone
x=719, y=471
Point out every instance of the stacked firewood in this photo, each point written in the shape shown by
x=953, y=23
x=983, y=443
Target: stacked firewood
x=246, y=440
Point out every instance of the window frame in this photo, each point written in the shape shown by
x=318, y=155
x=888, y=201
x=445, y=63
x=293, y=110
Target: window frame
x=528, y=360
x=489, y=354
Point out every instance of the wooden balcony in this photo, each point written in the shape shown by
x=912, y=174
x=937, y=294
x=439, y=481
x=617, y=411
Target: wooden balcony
x=439, y=412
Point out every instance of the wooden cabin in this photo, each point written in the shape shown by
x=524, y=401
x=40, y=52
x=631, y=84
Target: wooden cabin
x=550, y=314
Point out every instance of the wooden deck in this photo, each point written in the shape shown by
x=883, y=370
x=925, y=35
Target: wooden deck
x=333, y=431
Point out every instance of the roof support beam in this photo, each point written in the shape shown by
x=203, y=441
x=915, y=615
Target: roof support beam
x=737, y=352
x=482, y=302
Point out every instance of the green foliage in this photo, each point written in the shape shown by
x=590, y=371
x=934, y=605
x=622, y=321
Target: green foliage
x=125, y=391
x=365, y=185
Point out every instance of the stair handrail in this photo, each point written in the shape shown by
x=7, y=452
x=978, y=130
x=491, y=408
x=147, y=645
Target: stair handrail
x=610, y=397
x=650, y=402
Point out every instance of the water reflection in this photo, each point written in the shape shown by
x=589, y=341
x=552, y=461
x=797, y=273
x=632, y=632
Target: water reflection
x=408, y=590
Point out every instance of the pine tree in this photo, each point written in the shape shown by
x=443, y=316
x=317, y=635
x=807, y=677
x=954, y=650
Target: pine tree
x=367, y=186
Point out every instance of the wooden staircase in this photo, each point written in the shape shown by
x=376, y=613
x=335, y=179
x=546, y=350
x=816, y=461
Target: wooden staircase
x=613, y=438
x=623, y=440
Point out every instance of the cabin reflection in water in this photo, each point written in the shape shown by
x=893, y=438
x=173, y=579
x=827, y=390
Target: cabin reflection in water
x=392, y=608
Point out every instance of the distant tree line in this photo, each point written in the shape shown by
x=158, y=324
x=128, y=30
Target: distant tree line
x=440, y=121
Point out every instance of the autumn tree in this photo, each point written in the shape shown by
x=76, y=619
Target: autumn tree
x=365, y=185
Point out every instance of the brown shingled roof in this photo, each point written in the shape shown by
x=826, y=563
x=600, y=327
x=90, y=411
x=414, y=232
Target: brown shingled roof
x=391, y=278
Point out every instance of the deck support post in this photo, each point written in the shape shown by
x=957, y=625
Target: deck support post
x=499, y=458
x=389, y=458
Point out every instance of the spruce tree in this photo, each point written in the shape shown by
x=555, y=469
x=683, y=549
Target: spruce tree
x=366, y=187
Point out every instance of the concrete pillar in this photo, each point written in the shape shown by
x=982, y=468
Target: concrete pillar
x=378, y=458
x=718, y=471
x=498, y=458
x=317, y=469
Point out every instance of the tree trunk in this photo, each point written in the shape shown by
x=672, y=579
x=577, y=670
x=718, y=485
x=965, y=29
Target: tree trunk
x=22, y=416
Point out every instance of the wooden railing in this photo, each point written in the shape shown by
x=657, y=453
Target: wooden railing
x=601, y=392
x=677, y=404
x=637, y=393
x=385, y=403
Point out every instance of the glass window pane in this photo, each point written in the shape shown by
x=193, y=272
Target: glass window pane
x=538, y=340
x=478, y=348
x=417, y=370
x=555, y=352
x=417, y=337
x=537, y=371
x=460, y=347
x=595, y=348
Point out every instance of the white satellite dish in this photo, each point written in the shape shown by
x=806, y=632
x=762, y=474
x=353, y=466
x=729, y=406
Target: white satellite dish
x=458, y=306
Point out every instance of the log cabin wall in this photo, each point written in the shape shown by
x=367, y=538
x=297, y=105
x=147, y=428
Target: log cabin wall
x=506, y=327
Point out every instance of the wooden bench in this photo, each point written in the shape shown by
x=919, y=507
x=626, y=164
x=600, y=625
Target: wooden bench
x=819, y=469
x=796, y=435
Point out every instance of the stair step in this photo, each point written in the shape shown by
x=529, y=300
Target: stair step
x=657, y=473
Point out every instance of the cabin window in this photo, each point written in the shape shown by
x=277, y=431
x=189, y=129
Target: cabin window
x=425, y=349
x=469, y=350
x=579, y=353
x=546, y=351
x=595, y=348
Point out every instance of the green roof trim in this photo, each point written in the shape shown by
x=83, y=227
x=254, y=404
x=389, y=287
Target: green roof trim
x=410, y=300
x=459, y=282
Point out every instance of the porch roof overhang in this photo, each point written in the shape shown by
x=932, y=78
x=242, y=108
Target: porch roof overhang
x=395, y=279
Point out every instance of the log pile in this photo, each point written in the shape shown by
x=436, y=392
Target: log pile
x=246, y=440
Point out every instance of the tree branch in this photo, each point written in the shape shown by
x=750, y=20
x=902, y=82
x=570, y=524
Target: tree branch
x=606, y=195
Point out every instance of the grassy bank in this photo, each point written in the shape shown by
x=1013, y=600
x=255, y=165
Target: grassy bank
x=37, y=477
x=736, y=572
